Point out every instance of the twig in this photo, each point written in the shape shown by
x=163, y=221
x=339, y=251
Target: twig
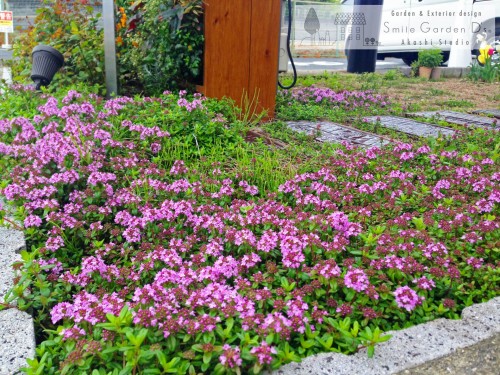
x=18, y=227
x=8, y=305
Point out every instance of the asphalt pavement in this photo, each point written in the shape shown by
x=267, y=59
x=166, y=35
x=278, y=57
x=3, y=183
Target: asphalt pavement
x=311, y=64
x=5, y=54
x=303, y=64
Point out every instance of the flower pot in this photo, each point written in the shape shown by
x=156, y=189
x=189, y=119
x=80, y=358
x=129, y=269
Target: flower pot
x=436, y=73
x=424, y=72
x=46, y=62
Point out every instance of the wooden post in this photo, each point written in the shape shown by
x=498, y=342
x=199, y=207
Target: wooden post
x=242, y=50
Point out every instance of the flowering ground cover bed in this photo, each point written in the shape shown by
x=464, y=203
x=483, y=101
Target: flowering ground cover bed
x=140, y=264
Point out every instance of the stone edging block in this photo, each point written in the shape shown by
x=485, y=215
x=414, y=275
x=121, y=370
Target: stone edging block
x=409, y=347
x=17, y=333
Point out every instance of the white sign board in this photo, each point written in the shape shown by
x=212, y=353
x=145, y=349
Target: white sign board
x=406, y=25
x=6, y=22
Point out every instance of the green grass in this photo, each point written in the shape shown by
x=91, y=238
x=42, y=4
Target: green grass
x=456, y=103
x=437, y=92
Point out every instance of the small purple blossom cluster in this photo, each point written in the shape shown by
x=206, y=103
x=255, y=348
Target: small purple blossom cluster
x=190, y=106
x=344, y=99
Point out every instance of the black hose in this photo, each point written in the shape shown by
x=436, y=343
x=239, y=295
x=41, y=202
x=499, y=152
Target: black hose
x=288, y=49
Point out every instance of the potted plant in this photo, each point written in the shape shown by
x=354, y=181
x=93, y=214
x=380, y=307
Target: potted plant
x=428, y=61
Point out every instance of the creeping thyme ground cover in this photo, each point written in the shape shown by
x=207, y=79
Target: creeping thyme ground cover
x=140, y=264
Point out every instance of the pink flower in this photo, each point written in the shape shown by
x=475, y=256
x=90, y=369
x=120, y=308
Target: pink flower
x=407, y=156
x=356, y=279
x=264, y=353
x=230, y=356
x=475, y=262
x=155, y=147
x=178, y=168
x=132, y=234
x=425, y=283
x=345, y=309
x=268, y=241
x=72, y=333
x=32, y=221
x=250, y=189
x=54, y=243
x=407, y=298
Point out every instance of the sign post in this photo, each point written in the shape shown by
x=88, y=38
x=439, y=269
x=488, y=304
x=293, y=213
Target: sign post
x=242, y=51
x=363, y=51
x=6, y=24
x=110, y=63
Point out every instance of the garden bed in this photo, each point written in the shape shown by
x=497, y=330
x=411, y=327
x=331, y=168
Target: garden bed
x=240, y=257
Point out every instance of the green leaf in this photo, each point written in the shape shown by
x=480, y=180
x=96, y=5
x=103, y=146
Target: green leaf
x=306, y=344
x=126, y=370
x=151, y=371
x=205, y=367
x=371, y=351
x=207, y=357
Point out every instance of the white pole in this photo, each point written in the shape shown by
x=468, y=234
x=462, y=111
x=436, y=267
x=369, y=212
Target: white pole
x=460, y=55
x=6, y=45
x=110, y=63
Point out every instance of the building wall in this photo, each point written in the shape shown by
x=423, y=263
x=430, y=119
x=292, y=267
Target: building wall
x=23, y=7
x=24, y=11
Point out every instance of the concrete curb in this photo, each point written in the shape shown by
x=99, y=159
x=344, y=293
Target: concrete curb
x=17, y=340
x=413, y=347
x=445, y=72
x=17, y=332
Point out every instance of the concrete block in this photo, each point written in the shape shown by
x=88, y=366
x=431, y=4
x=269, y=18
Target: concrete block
x=454, y=72
x=17, y=341
x=411, y=347
x=405, y=70
x=11, y=240
x=17, y=334
x=479, y=359
x=445, y=72
x=11, y=243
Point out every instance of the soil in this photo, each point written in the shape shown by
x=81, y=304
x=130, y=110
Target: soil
x=449, y=93
x=253, y=134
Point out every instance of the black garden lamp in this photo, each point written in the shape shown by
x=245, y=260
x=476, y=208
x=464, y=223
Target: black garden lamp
x=46, y=62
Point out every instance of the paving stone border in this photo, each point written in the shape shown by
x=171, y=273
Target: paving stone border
x=336, y=133
x=17, y=333
x=17, y=341
x=411, y=347
x=458, y=118
x=488, y=112
x=445, y=72
x=409, y=126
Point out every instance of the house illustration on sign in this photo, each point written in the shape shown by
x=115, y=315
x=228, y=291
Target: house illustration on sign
x=352, y=24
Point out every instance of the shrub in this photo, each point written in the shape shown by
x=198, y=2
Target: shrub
x=71, y=28
x=171, y=56
x=430, y=58
x=159, y=42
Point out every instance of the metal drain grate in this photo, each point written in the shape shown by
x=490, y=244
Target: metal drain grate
x=404, y=125
x=336, y=133
x=458, y=118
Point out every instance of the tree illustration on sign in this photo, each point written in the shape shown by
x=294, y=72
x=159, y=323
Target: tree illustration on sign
x=311, y=24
